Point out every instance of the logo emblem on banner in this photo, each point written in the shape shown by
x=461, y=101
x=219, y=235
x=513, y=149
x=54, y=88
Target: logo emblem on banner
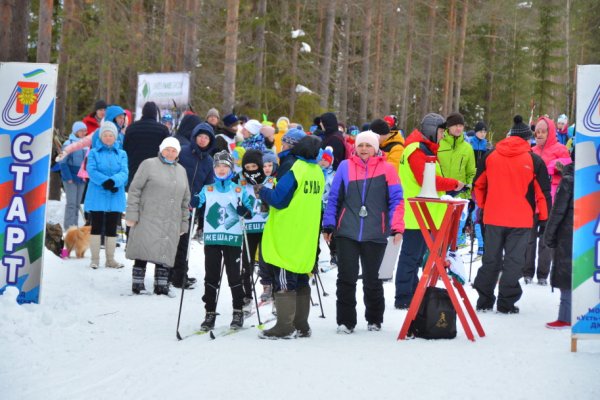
x=24, y=100
x=591, y=118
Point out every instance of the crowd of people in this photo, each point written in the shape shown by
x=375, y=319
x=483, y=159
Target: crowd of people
x=256, y=184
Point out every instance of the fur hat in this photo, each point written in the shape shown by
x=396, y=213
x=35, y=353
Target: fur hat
x=223, y=157
x=520, y=129
x=562, y=118
x=369, y=137
x=170, y=142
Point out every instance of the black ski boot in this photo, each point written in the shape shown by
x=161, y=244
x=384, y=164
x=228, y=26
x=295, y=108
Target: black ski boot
x=209, y=321
x=238, y=319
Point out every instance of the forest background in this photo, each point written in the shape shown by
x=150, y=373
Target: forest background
x=489, y=59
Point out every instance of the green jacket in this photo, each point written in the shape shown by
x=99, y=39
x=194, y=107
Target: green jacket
x=457, y=160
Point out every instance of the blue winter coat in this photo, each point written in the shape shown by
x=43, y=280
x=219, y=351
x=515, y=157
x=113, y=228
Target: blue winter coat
x=106, y=163
x=69, y=166
x=197, y=162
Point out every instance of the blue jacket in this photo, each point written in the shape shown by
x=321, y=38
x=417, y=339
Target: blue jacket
x=106, y=163
x=224, y=186
x=69, y=166
x=256, y=142
x=197, y=162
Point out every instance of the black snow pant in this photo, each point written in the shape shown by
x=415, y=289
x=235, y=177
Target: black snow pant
x=504, y=253
x=230, y=255
x=248, y=266
x=180, y=267
x=371, y=256
x=544, y=255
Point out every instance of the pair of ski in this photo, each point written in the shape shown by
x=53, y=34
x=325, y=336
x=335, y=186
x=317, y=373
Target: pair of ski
x=228, y=331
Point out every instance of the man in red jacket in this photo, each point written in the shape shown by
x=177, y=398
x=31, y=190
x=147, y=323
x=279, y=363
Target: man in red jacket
x=511, y=183
x=92, y=120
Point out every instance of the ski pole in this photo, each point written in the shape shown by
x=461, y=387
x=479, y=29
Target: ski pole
x=219, y=287
x=472, y=234
x=320, y=301
x=187, y=257
x=325, y=294
x=251, y=266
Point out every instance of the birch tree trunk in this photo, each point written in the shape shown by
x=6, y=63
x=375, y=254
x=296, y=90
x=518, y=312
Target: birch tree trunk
x=231, y=37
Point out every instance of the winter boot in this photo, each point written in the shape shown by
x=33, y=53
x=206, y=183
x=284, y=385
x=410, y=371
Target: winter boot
x=161, y=280
x=238, y=319
x=138, y=274
x=95, y=250
x=247, y=307
x=286, y=311
x=209, y=321
x=302, y=312
x=267, y=293
x=111, y=244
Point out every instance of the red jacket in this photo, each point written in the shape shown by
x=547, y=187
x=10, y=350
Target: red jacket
x=511, y=183
x=91, y=122
x=417, y=161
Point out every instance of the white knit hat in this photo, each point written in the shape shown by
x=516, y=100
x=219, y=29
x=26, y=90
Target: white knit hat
x=108, y=126
x=170, y=142
x=253, y=126
x=369, y=137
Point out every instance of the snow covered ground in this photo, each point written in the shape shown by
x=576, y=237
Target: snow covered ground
x=89, y=339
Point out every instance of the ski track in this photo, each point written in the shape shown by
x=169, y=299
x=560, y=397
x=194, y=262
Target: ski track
x=88, y=341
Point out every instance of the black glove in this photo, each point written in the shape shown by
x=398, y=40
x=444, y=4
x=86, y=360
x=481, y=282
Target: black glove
x=541, y=228
x=327, y=229
x=108, y=184
x=114, y=190
x=242, y=211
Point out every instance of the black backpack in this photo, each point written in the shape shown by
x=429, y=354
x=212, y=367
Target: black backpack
x=436, y=318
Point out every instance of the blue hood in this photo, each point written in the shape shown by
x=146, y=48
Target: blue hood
x=113, y=112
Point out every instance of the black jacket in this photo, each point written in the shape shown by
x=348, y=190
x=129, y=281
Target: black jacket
x=142, y=141
x=559, y=231
x=334, y=138
x=197, y=162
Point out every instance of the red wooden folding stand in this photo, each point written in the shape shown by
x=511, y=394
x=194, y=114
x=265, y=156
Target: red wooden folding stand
x=438, y=242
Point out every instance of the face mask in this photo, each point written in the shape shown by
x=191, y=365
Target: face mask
x=254, y=177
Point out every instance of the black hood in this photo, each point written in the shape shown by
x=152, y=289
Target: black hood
x=308, y=148
x=330, y=122
x=187, y=125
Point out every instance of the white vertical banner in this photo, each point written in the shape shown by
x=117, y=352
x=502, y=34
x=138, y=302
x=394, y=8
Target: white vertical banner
x=27, y=102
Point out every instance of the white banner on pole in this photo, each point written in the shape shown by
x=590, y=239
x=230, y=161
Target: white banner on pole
x=165, y=89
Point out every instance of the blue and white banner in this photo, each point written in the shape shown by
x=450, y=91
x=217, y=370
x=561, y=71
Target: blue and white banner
x=586, y=230
x=27, y=101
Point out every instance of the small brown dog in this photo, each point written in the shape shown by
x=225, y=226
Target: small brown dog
x=78, y=239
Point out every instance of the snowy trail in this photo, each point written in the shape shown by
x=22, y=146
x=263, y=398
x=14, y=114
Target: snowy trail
x=90, y=340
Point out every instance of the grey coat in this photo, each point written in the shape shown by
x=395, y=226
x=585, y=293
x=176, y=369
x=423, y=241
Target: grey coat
x=158, y=201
